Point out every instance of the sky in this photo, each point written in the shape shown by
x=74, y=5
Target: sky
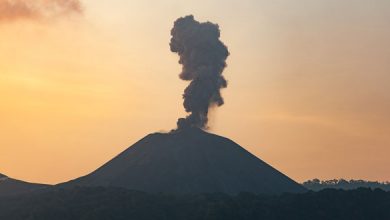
x=308, y=81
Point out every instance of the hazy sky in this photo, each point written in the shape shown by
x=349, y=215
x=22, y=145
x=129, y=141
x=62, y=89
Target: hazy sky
x=309, y=83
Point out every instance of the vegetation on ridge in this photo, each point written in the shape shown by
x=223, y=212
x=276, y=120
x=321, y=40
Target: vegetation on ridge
x=317, y=185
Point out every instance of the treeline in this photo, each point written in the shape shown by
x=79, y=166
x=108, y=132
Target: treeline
x=120, y=204
x=317, y=185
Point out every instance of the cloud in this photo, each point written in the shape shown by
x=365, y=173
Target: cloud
x=203, y=57
x=11, y=10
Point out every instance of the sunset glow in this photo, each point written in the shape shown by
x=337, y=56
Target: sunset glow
x=308, y=85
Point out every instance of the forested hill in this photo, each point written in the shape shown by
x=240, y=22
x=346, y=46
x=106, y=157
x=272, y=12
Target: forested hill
x=317, y=184
x=120, y=204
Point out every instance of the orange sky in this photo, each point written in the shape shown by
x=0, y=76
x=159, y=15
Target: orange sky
x=308, y=84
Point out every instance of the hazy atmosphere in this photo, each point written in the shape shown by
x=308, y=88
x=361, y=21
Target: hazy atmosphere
x=308, y=83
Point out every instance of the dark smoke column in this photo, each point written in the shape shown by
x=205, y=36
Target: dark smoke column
x=203, y=57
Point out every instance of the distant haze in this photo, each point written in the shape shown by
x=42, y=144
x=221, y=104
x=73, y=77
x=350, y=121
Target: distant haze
x=308, y=85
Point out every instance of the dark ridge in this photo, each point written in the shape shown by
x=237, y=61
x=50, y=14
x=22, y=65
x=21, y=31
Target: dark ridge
x=9, y=186
x=102, y=203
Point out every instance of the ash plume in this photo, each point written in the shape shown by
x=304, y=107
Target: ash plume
x=11, y=10
x=203, y=57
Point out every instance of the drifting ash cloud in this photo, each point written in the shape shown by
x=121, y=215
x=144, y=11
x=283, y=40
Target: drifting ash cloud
x=11, y=10
x=203, y=57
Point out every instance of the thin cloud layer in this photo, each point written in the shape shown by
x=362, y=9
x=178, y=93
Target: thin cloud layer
x=11, y=10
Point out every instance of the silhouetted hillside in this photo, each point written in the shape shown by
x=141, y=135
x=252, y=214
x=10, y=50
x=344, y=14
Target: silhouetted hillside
x=121, y=204
x=9, y=186
x=317, y=184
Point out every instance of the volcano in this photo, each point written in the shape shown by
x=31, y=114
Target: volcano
x=189, y=161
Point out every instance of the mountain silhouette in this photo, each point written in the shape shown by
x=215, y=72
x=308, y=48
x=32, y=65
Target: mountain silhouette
x=189, y=161
x=9, y=186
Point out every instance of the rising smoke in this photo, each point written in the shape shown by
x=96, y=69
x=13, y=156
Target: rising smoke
x=203, y=57
x=37, y=9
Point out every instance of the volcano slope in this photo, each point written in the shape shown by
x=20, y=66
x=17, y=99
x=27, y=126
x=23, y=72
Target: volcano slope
x=189, y=161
